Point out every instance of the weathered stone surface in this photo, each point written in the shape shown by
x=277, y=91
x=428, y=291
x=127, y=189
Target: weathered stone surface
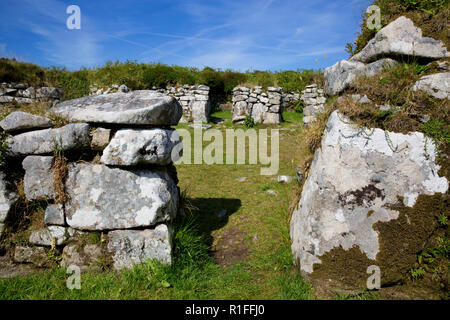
x=71, y=136
x=141, y=107
x=200, y=109
x=34, y=255
x=23, y=100
x=339, y=76
x=43, y=237
x=123, y=88
x=54, y=215
x=7, y=198
x=258, y=112
x=6, y=99
x=240, y=111
x=437, y=85
x=272, y=118
x=38, y=180
x=133, y=147
x=355, y=179
x=130, y=247
x=100, y=138
x=401, y=38
x=285, y=179
x=86, y=257
x=103, y=198
x=49, y=93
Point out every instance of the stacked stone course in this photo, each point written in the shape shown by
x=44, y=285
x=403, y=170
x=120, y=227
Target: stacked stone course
x=127, y=191
x=23, y=93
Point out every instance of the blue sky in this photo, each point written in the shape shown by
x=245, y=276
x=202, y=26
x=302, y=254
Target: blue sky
x=241, y=35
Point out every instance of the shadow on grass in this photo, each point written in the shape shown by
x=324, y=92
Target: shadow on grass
x=211, y=214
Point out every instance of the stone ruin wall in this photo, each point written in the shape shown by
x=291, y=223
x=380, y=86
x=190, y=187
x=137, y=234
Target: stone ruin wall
x=125, y=190
x=25, y=94
x=266, y=106
x=314, y=103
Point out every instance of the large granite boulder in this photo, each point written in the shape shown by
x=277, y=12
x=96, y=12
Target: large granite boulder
x=358, y=204
x=103, y=198
x=7, y=200
x=339, y=76
x=71, y=136
x=130, y=247
x=24, y=121
x=141, y=107
x=401, y=38
x=437, y=85
x=133, y=147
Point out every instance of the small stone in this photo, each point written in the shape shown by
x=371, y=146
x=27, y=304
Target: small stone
x=54, y=215
x=100, y=138
x=24, y=121
x=284, y=179
x=272, y=192
x=131, y=247
x=242, y=179
x=43, y=237
x=7, y=198
x=85, y=257
x=123, y=88
x=221, y=214
x=38, y=179
x=34, y=255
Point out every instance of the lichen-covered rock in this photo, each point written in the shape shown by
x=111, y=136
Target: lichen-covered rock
x=103, y=198
x=353, y=189
x=54, y=215
x=437, y=85
x=84, y=256
x=71, y=136
x=141, y=107
x=38, y=179
x=339, y=76
x=34, y=255
x=272, y=118
x=7, y=199
x=401, y=38
x=43, y=237
x=132, y=147
x=200, y=108
x=49, y=93
x=24, y=121
x=100, y=138
x=130, y=247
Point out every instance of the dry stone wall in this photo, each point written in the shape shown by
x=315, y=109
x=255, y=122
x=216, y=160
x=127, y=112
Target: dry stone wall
x=314, y=103
x=126, y=188
x=263, y=105
x=23, y=93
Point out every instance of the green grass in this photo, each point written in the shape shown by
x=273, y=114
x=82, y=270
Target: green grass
x=293, y=117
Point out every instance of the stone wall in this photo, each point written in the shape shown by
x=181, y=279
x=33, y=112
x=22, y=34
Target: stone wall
x=23, y=93
x=123, y=188
x=314, y=102
x=264, y=106
x=195, y=100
